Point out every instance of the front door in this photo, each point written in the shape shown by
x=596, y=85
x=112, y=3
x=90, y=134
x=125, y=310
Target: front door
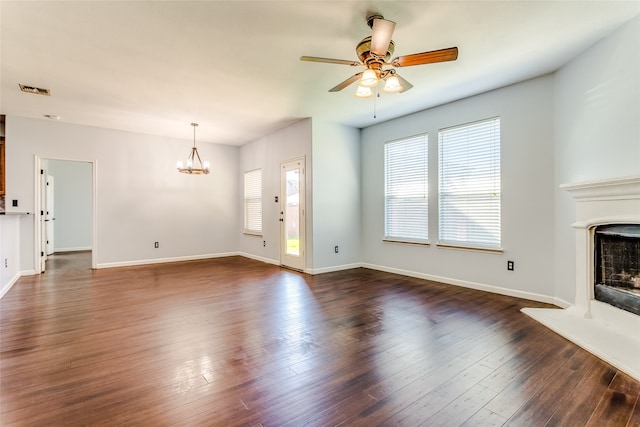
x=292, y=214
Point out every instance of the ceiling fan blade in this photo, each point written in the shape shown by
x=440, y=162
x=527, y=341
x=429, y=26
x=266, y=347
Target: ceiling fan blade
x=381, y=36
x=330, y=60
x=442, y=55
x=346, y=83
x=404, y=83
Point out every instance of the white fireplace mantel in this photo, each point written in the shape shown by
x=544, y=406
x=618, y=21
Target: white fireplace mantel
x=609, y=189
x=606, y=331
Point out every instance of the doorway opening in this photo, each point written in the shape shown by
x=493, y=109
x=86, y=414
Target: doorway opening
x=66, y=208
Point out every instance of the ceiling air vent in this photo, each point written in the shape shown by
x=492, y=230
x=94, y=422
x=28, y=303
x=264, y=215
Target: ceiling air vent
x=35, y=90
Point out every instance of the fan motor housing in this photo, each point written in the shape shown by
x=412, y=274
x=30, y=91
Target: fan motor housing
x=363, y=50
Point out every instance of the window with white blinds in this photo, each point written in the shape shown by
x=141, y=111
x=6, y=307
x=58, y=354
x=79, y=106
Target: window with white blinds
x=406, y=190
x=469, y=195
x=253, y=202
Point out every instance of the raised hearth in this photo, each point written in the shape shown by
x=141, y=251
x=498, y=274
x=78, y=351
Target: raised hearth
x=607, y=331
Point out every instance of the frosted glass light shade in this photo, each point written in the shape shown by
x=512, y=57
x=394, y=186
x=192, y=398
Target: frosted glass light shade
x=392, y=85
x=369, y=79
x=363, y=92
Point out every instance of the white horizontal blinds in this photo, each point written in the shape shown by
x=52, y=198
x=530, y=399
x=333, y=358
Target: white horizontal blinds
x=406, y=189
x=469, y=196
x=253, y=201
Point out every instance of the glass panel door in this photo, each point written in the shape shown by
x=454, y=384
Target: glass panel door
x=292, y=214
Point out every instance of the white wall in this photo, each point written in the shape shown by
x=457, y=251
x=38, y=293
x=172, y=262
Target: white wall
x=336, y=196
x=140, y=197
x=597, y=132
x=267, y=153
x=10, y=250
x=73, y=185
x=526, y=116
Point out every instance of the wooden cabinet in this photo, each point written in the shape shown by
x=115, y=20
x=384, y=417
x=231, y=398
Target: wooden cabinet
x=1, y=166
x=2, y=169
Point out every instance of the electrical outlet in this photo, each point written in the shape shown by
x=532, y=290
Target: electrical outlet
x=6, y=263
x=156, y=245
x=510, y=265
x=14, y=203
x=264, y=243
x=335, y=249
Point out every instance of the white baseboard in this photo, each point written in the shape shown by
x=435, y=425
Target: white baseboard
x=164, y=260
x=78, y=249
x=466, y=284
x=8, y=285
x=259, y=258
x=332, y=268
x=559, y=302
x=472, y=285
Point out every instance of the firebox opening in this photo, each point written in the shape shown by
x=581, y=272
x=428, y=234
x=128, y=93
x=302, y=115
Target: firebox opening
x=617, y=266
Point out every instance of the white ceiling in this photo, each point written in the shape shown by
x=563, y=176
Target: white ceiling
x=233, y=66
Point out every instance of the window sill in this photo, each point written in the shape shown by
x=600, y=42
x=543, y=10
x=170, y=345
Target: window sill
x=406, y=242
x=470, y=248
x=252, y=233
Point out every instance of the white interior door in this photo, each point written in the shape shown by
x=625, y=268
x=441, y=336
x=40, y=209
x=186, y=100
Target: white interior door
x=43, y=234
x=49, y=216
x=292, y=214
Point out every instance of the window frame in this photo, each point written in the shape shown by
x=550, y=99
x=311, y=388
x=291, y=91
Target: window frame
x=489, y=197
x=421, y=237
x=252, y=198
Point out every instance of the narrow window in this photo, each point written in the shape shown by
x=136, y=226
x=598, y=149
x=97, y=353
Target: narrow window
x=469, y=196
x=406, y=190
x=253, y=202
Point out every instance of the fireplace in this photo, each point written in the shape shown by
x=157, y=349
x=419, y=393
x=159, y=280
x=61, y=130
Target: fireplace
x=617, y=266
x=604, y=318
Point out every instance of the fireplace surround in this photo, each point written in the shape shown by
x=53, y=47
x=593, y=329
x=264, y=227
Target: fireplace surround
x=605, y=330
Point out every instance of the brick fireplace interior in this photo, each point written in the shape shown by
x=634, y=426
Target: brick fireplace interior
x=617, y=266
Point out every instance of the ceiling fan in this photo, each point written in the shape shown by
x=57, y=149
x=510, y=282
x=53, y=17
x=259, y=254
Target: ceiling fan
x=374, y=52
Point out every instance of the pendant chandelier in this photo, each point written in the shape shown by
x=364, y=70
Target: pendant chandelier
x=191, y=166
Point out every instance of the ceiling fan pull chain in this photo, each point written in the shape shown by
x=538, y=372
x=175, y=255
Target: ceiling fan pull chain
x=374, y=103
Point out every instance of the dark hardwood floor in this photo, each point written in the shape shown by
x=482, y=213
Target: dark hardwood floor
x=236, y=342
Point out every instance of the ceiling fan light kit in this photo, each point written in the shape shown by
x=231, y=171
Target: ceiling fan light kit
x=374, y=52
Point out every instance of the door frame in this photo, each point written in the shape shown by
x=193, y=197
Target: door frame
x=37, y=235
x=303, y=216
